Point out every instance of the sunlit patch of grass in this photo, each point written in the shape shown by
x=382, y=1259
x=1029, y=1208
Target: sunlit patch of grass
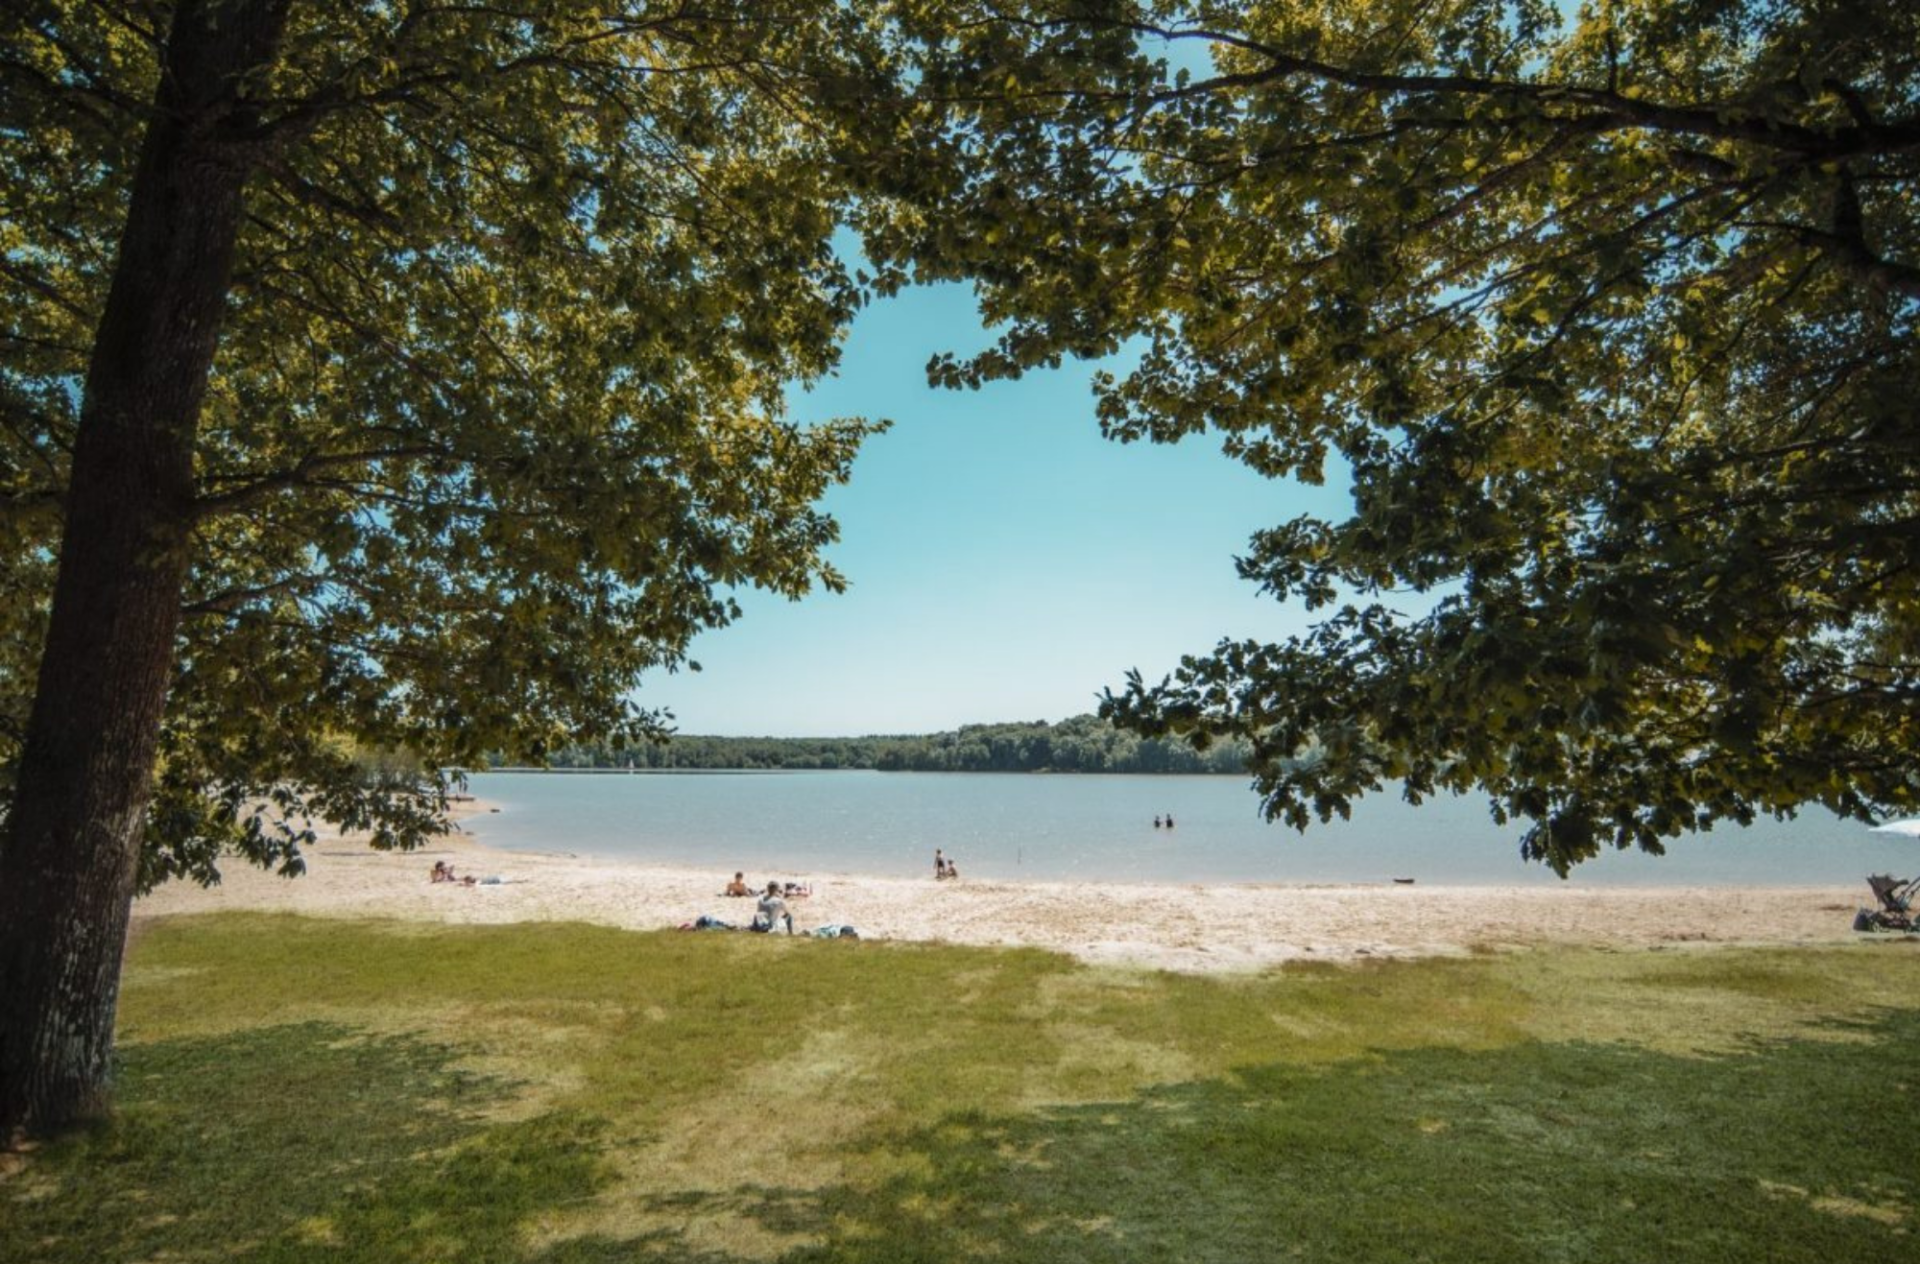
x=789, y=1132
x=297, y=1090
x=1706, y=1001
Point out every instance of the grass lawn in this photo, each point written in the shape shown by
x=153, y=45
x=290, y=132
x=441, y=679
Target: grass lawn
x=301, y=1090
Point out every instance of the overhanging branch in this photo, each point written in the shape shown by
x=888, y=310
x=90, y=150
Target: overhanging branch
x=307, y=471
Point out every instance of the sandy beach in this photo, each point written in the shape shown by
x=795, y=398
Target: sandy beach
x=1175, y=927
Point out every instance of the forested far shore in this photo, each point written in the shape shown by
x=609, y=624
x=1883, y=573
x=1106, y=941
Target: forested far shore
x=1084, y=744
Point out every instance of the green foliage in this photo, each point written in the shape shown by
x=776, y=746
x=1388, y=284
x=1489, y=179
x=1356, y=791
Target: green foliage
x=570, y=1093
x=1082, y=743
x=496, y=421
x=1610, y=314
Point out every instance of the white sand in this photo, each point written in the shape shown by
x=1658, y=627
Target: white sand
x=1176, y=927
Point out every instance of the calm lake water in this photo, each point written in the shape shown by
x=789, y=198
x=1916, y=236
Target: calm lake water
x=1101, y=828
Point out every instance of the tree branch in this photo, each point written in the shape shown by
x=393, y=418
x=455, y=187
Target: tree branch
x=1613, y=109
x=233, y=598
x=311, y=194
x=304, y=472
x=45, y=289
x=1852, y=253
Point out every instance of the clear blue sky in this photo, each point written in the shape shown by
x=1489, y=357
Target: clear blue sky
x=1006, y=561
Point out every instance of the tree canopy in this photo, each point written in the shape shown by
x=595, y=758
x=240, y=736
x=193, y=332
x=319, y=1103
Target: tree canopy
x=1609, y=316
x=387, y=383
x=496, y=417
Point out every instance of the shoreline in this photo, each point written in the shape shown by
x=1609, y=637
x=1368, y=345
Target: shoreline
x=1188, y=927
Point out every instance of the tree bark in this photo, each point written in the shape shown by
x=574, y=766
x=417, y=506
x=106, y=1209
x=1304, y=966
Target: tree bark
x=70, y=852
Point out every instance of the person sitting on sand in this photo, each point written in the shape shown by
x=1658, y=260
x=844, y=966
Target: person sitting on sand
x=442, y=872
x=772, y=911
x=738, y=886
x=953, y=870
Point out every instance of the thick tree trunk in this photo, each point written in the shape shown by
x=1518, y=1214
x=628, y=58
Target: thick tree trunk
x=70, y=853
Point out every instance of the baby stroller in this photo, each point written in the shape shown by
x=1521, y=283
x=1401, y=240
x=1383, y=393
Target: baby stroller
x=1897, y=898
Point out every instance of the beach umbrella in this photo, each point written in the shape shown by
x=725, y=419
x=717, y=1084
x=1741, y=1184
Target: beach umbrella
x=1909, y=827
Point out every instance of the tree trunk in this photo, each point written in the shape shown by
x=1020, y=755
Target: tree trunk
x=70, y=852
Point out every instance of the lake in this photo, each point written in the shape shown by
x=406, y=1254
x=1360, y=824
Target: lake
x=1100, y=828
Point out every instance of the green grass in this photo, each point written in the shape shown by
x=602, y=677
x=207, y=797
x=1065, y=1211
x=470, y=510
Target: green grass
x=297, y=1090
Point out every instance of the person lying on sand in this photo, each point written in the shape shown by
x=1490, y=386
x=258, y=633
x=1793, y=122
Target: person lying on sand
x=738, y=887
x=798, y=890
x=443, y=872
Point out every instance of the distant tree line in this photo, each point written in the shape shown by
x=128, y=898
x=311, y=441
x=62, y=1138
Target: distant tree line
x=1084, y=743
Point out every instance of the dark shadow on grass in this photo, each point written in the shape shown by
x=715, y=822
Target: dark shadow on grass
x=282, y=1145
x=1798, y=1150
x=297, y=1142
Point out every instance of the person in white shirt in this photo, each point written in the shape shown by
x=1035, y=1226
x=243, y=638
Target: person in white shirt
x=773, y=910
